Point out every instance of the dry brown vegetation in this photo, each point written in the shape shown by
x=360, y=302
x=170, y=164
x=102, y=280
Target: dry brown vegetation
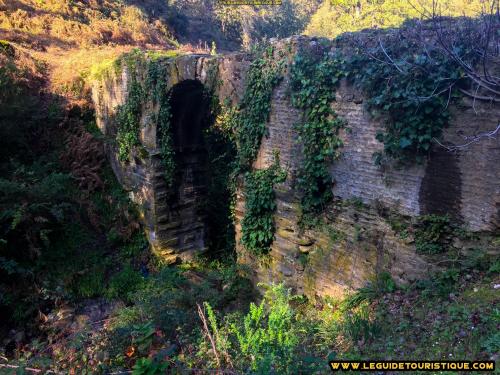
x=84, y=157
x=83, y=23
x=69, y=36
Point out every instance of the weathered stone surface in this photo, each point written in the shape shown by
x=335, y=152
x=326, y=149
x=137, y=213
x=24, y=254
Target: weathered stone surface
x=357, y=243
x=172, y=225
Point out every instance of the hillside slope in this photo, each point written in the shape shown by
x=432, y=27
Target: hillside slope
x=335, y=17
x=69, y=24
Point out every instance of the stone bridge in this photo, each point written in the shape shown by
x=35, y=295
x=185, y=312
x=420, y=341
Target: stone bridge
x=361, y=239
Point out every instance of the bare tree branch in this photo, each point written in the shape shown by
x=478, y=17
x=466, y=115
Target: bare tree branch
x=389, y=57
x=470, y=140
x=480, y=97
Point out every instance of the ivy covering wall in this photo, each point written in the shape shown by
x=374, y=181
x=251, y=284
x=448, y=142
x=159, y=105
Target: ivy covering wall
x=157, y=82
x=314, y=79
x=249, y=122
x=407, y=86
x=140, y=89
x=410, y=84
x=258, y=226
x=266, y=71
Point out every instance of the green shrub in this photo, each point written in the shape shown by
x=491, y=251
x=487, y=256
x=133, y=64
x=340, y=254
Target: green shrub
x=267, y=338
x=149, y=366
x=91, y=284
x=124, y=283
x=431, y=233
x=35, y=204
x=494, y=268
x=441, y=284
x=492, y=343
x=135, y=246
x=357, y=324
x=383, y=283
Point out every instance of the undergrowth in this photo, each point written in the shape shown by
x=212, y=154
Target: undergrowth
x=64, y=217
x=175, y=323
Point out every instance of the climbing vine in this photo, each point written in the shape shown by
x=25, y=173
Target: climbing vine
x=221, y=172
x=128, y=114
x=127, y=119
x=314, y=78
x=265, y=72
x=247, y=122
x=157, y=86
x=258, y=224
x=411, y=86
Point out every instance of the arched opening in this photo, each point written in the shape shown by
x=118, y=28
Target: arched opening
x=203, y=160
x=190, y=109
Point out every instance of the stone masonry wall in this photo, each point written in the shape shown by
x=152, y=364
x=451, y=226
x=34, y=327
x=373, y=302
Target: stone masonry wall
x=174, y=229
x=357, y=242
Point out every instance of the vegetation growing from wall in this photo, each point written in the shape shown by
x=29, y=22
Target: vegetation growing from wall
x=410, y=86
x=314, y=78
x=257, y=226
x=128, y=115
x=156, y=83
x=248, y=124
x=221, y=180
x=265, y=72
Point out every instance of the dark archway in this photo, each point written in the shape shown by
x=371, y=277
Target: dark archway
x=203, y=160
x=190, y=108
